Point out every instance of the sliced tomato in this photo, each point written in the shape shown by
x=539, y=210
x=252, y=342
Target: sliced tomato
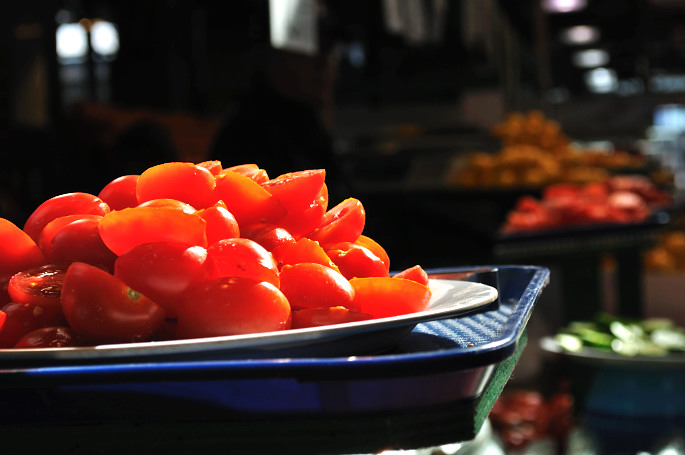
x=22, y=318
x=250, y=170
x=297, y=190
x=18, y=251
x=169, y=202
x=311, y=285
x=375, y=248
x=241, y=257
x=318, y=317
x=120, y=193
x=49, y=337
x=386, y=297
x=232, y=306
x=221, y=224
x=415, y=273
x=56, y=225
x=177, y=180
x=213, y=166
x=162, y=271
x=354, y=260
x=247, y=200
x=268, y=235
x=303, y=250
x=80, y=241
x=343, y=223
x=121, y=230
x=102, y=309
x=64, y=204
x=38, y=286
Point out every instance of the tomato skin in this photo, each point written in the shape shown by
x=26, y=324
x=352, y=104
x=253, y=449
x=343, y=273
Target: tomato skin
x=120, y=193
x=268, y=235
x=375, y=248
x=49, y=337
x=250, y=170
x=80, y=241
x=247, y=200
x=169, y=202
x=121, y=230
x=213, y=166
x=242, y=257
x=303, y=250
x=162, y=271
x=102, y=309
x=38, y=286
x=177, y=180
x=415, y=273
x=386, y=297
x=232, y=306
x=343, y=223
x=311, y=285
x=221, y=224
x=54, y=226
x=354, y=260
x=22, y=318
x=297, y=190
x=318, y=317
x=18, y=251
x=64, y=204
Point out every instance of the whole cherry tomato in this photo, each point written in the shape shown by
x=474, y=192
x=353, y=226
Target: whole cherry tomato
x=177, y=180
x=80, y=241
x=242, y=258
x=120, y=193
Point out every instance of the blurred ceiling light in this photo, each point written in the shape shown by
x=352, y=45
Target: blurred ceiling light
x=72, y=41
x=580, y=34
x=590, y=58
x=563, y=6
x=104, y=38
x=601, y=80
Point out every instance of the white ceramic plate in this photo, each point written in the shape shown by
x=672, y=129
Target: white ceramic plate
x=451, y=298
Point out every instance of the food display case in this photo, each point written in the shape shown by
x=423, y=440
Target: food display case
x=433, y=385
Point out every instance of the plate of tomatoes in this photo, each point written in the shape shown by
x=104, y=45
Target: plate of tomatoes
x=203, y=261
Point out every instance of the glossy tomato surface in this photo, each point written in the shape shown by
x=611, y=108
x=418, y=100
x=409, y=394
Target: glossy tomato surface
x=221, y=224
x=354, y=260
x=49, y=337
x=247, y=200
x=386, y=297
x=22, y=318
x=120, y=193
x=40, y=285
x=177, y=180
x=311, y=285
x=242, y=257
x=343, y=223
x=101, y=308
x=80, y=241
x=18, y=251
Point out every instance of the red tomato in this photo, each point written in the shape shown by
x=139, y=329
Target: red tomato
x=49, y=337
x=343, y=223
x=221, y=224
x=80, y=241
x=38, y=286
x=18, y=251
x=53, y=227
x=375, y=248
x=300, y=223
x=64, y=204
x=22, y=318
x=415, y=273
x=385, y=296
x=246, y=199
x=242, y=258
x=250, y=170
x=213, y=166
x=354, y=260
x=232, y=306
x=303, y=250
x=168, y=202
x=311, y=285
x=297, y=190
x=317, y=317
x=162, y=270
x=177, y=180
x=3, y=316
x=120, y=193
x=101, y=308
x=268, y=235
x=121, y=230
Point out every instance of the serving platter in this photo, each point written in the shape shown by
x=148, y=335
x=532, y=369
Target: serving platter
x=450, y=298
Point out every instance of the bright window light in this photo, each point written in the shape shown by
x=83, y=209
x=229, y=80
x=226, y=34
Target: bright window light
x=72, y=41
x=104, y=38
x=601, y=80
x=563, y=6
x=580, y=35
x=591, y=58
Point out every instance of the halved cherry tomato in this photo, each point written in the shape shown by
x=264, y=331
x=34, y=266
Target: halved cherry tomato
x=343, y=223
x=232, y=306
x=41, y=285
x=22, y=318
x=121, y=230
x=299, y=223
x=303, y=250
x=64, y=204
x=213, y=166
x=120, y=193
x=246, y=199
x=415, y=273
x=221, y=224
x=375, y=248
x=297, y=190
x=241, y=257
x=49, y=337
x=268, y=235
x=18, y=251
x=162, y=271
x=250, y=170
x=354, y=260
x=101, y=308
x=385, y=296
x=80, y=241
x=317, y=317
x=311, y=285
x=177, y=180
x=169, y=202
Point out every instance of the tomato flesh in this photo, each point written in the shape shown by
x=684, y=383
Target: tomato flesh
x=38, y=286
x=386, y=297
x=18, y=251
x=343, y=223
